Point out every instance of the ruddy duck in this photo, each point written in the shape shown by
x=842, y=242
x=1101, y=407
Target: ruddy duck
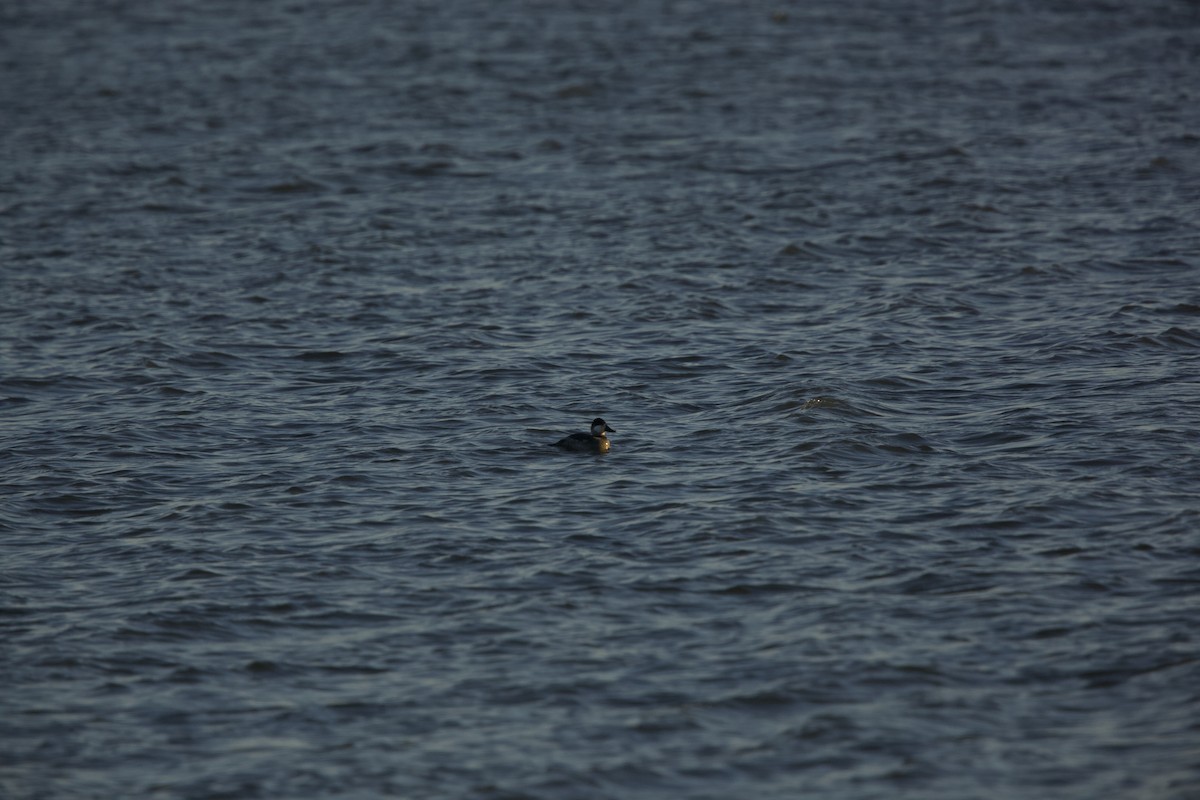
x=594, y=442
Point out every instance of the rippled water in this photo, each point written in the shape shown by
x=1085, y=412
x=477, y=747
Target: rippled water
x=894, y=306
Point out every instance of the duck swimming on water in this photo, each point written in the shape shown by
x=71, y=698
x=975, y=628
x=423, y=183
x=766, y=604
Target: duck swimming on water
x=594, y=442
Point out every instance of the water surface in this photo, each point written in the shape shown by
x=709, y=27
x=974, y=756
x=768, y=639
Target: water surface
x=894, y=307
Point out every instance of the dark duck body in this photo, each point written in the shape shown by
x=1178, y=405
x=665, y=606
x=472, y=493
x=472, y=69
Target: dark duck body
x=594, y=442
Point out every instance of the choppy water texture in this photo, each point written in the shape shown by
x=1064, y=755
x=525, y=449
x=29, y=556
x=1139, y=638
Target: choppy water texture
x=895, y=307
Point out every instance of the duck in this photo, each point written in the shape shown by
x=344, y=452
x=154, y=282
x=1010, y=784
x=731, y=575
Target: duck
x=593, y=442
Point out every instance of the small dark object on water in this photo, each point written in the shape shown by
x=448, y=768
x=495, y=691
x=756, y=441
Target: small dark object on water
x=594, y=442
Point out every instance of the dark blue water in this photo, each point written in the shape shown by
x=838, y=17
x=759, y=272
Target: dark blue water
x=895, y=308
